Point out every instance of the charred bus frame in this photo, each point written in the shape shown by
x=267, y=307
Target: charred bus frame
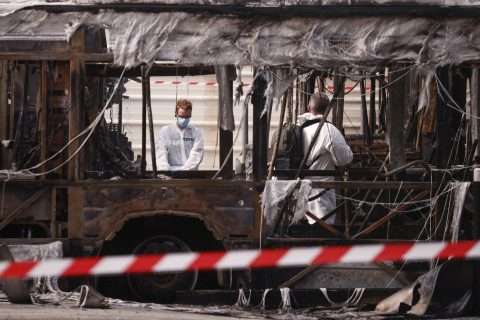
x=51, y=92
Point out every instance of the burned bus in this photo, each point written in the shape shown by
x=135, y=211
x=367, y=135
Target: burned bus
x=70, y=174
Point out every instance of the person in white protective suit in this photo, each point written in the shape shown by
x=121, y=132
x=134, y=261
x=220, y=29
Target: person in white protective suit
x=330, y=150
x=179, y=146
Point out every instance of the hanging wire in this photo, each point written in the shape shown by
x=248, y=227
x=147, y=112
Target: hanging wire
x=351, y=123
x=89, y=129
x=388, y=84
x=236, y=137
x=247, y=98
x=389, y=205
x=380, y=88
x=353, y=74
x=351, y=89
x=455, y=105
x=427, y=220
x=439, y=193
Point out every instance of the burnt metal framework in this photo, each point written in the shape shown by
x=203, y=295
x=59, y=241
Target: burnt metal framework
x=244, y=8
x=51, y=94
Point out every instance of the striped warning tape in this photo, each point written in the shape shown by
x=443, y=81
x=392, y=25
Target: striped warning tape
x=192, y=83
x=215, y=84
x=221, y=260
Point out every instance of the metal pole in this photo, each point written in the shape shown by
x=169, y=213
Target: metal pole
x=475, y=99
x=476, y=196
x=224, y=76
x=150, y=126
x=245, y=133
x=21, y=117
x=120, y=108
x=476, y=236
x=259, y=130
x=339, y=106
x=143, y=166
x=365, y=128
x=277, y=138
x=372, y=115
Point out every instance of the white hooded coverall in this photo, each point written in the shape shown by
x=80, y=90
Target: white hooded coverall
x=178, y=149
x=334, y=151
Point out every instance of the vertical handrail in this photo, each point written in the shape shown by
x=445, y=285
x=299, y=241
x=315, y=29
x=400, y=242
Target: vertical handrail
x=143, y=166
x=277, y=137
x=150, y=126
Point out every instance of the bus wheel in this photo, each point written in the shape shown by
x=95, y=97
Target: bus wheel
x=161, y=287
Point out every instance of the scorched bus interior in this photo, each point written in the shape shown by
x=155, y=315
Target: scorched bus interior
x=69, y=173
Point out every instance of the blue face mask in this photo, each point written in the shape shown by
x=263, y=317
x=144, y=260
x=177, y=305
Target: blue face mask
x=182, y=122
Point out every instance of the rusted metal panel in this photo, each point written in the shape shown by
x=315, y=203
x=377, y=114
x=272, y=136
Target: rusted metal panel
x=226, y=211
x=351, y=276
x=21, y=208
x=75, y=102
x=53, y=221
x=249, y=184
x=75, y=212
x=15, y=196
x=34, y=50
x=155, y=70
x=17, y=84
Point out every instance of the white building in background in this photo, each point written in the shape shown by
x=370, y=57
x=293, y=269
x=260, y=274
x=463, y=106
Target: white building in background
x=203, y=92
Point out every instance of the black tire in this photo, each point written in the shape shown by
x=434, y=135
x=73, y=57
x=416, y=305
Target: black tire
x=161, y=287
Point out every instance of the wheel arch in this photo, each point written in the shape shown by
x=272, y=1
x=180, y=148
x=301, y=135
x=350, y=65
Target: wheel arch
x=190, y=227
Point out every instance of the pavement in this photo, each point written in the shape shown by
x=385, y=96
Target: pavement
x=51, y=312
x=52, y=308
x=64, y=305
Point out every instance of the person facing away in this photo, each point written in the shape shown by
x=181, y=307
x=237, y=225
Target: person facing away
x=179, y=146
x=330, y=150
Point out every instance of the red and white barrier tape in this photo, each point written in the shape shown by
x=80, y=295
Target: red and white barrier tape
x=192, y=83
x=267, y=258
x=215, y=84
